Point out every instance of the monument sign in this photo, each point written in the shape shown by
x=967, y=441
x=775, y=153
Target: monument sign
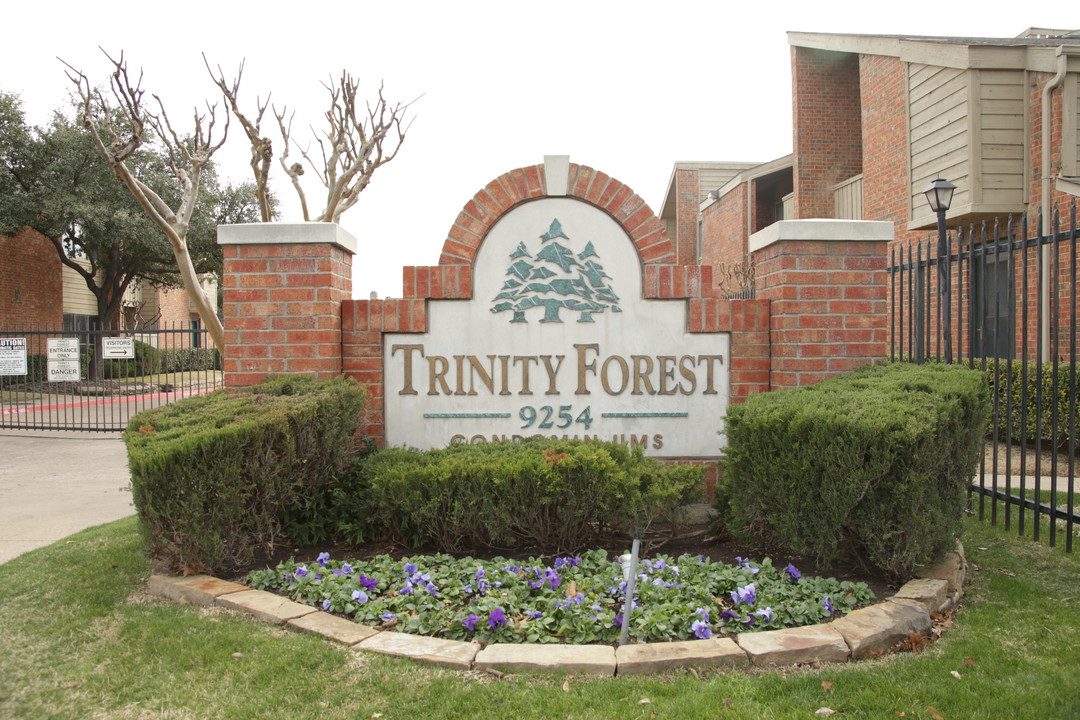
x=558, y=340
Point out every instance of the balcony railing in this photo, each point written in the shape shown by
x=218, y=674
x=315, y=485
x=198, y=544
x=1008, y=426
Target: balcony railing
x=847, y=199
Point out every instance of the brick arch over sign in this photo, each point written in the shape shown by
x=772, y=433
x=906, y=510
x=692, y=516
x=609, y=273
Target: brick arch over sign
x=529, y=183
x=364, y=322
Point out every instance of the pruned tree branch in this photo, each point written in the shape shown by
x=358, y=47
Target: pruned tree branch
x=262, y=151
x=188, y=158
x=355, y=143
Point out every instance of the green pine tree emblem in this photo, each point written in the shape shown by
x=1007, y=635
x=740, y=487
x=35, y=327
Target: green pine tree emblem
x=553, y=278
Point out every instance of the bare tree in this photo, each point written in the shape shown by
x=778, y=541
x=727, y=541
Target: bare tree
x=262, y=151
x=354, y=145
x=120, y=125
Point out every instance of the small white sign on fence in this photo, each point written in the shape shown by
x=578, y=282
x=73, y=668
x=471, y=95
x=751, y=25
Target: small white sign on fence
x=63, y=359
x=12, y=356
x=118, y=347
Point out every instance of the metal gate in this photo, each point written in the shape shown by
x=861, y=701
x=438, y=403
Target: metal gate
x=1010, y=310
x=96, y=379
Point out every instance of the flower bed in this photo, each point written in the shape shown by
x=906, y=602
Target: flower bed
x=576, y=599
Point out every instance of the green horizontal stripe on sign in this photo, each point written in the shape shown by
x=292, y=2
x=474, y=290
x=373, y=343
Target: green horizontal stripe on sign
x=465, y=415
x=643, y=415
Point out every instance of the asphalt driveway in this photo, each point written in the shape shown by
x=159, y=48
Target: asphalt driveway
x=53, y=484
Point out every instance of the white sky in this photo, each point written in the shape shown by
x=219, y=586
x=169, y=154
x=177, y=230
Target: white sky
x=626, y=87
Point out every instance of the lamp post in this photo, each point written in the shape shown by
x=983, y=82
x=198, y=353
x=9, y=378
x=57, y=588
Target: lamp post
x=939, y=195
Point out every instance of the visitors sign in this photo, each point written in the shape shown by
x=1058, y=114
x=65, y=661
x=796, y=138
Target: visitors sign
x=12, y=356
x=118, y=348
x=63, y=359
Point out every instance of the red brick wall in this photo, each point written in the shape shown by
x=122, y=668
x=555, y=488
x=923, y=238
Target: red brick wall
x=173, y=306
x=723, y=230
x=686, y=216
x=827, y=135
x=828, y=307
x=884, y=140
x=31, y=280
x=282, y=307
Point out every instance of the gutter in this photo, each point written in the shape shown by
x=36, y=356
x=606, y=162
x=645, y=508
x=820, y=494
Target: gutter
x=1047, y=106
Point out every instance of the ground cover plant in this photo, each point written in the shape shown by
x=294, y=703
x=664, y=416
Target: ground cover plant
x=574, y=599
x=80, y=638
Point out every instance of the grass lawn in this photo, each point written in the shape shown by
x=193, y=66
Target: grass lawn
x=81, y=639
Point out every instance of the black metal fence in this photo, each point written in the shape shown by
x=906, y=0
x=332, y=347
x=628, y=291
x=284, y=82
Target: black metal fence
x=95, y=379
x=1006, y=304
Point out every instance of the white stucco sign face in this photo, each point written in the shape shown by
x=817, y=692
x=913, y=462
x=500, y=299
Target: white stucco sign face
x=557, y=341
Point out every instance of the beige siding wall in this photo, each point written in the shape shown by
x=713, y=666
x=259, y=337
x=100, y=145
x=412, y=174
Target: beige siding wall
x=940, y=103
x=1070, y=147
x=848, y=198
x=713, y=179
x=1000, y=130
x=78, y=299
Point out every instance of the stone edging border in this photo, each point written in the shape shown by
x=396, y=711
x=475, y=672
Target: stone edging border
x=861, y=633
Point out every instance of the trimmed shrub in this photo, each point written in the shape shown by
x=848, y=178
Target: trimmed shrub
x=181, y=359
x=213, y=475
x=873, y=464
x=145, y=362
x=544, y=495
x=1040, y=410
x=341, y=511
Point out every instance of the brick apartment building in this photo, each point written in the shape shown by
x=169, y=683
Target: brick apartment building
x=37, y=289
x=875, y=119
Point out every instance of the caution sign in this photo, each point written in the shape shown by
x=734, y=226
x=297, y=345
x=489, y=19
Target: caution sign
x=12, y=356
x=63, y=359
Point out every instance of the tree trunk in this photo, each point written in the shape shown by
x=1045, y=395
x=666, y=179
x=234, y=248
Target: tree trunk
x=193, y=288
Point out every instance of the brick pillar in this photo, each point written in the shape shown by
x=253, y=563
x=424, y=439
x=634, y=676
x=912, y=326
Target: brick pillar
x=283, y=285
x=687, y=201
x=827, y=286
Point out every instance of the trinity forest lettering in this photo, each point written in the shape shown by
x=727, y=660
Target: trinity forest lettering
x=528, y=374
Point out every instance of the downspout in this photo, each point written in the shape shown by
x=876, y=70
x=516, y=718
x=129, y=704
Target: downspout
x=1047, y=183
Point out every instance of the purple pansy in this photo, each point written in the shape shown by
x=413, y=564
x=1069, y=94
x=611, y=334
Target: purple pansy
x=496, y=618
x=793, y=571
x=701, y=629
x=323, y=559
x=744, y=595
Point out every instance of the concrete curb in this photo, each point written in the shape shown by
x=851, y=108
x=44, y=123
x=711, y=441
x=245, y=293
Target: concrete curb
x=862, y=633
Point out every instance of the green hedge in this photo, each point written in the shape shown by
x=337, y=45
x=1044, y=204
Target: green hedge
x=213, y=475
x=180, y=359
x=1039, y=421
x=544, y=495
x=147, y=361
x=872, y=464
